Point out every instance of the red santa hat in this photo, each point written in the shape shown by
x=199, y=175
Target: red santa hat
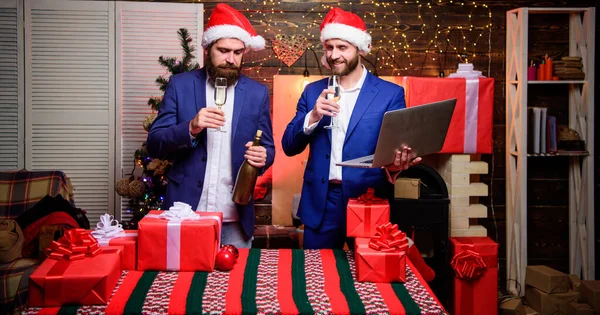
x=346, y=26
x=227, y=22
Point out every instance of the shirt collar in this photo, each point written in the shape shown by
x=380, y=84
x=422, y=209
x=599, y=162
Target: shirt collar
x=360, y=82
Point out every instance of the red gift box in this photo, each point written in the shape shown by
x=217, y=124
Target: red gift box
x=82, y=274
x=186, y=245
x=384, y=258
x=361, y=242
x=475, y=263
x=471, y=126
x=365, y=213
x=129, y=244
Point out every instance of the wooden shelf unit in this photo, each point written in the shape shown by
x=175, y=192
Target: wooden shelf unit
x=581, y=164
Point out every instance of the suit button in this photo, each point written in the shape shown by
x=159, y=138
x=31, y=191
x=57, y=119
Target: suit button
x=200, y=183
x=327, y=156
x=204, y=158
x=322, y=180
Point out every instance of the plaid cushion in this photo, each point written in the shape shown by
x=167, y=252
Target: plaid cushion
x=14, y=286
x=20, y=190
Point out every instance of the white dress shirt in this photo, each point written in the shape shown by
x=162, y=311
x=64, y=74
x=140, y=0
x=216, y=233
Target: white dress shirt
x=338, y=135
x=218, y=183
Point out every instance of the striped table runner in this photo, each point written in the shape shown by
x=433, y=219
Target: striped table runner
x=285, y=281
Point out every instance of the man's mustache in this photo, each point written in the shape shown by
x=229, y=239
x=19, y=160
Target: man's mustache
x=228, y=67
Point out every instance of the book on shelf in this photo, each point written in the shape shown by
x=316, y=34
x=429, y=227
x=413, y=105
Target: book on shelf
x=534, y=115
x=541, y=131
x=543, y=114
x=551, y=143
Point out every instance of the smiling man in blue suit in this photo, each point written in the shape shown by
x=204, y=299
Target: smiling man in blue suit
x=359, y=111
x=206, y=161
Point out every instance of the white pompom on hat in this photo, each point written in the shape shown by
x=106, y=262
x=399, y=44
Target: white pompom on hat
x=340, y=24
x=227, y=22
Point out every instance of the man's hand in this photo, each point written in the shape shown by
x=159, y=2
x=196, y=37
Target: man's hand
x=323, y=107
x=256, y=155
x=403, y=160
x=208, y=117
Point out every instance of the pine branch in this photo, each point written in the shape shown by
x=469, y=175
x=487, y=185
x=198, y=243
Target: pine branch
x=183, y=33
x=169, y=63
x=154, y=102
x=188, y=49
x=162, y=81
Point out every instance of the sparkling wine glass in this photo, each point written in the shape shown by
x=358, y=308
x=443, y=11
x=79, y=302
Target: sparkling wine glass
x=220, y=96
x=334, y=85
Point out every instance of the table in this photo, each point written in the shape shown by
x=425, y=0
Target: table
x=265, y=281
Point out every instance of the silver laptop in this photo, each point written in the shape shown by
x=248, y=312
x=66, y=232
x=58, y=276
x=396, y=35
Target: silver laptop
x=423, y=128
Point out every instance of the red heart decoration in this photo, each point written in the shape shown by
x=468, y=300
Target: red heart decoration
x=289, y=48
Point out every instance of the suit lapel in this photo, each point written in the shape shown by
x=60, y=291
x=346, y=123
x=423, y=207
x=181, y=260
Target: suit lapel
x=238, y=103
x=365, y=98
x=200, y=89
x=200, y=95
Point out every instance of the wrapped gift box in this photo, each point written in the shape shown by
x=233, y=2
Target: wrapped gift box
x=365, y=213
x=408, y=188
x=383, y=258
x=179, y=245
x=377, y=266
x=590, y=293
x=471, y=126
x=361, y=242
x=574, y=282
x=547, y=279
x=530, y=311
x=512, y=306
x=549, y=304
x=129, y=244
x=475, y=263
x=75, y=279
x=579, y=309
x=109, y=232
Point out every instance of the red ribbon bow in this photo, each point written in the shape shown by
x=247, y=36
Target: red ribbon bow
x=74, y=244
x=468, y=265
x=368, y=197
x=388, y=238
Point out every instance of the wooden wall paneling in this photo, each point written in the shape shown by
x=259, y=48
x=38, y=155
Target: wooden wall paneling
x=547, y=40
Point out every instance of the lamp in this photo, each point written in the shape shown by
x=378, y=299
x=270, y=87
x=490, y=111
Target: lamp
x=306, y=74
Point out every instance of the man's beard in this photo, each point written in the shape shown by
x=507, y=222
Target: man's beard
x=227, y=71
x=350, y=66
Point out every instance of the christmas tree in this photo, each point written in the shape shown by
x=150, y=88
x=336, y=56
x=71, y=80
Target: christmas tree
x=146, y=191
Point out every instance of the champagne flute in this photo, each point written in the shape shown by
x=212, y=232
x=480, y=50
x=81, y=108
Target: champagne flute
x=220, y=96
x=334, y=85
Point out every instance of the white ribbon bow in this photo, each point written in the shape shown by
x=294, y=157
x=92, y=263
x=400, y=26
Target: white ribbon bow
x=179, y=211
x=108, y=228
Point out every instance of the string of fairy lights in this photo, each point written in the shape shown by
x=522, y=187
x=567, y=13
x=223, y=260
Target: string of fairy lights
x=397, y=43
x=400, y=43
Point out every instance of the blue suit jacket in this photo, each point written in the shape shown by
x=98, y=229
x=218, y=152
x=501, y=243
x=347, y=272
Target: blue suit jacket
x=169, y=136
x=375, y=98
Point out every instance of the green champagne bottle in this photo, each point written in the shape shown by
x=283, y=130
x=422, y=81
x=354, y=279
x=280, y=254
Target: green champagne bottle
x=246, y=178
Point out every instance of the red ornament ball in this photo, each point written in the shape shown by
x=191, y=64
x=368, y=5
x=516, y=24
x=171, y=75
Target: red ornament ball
x=225, y=260
x=232, y=249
